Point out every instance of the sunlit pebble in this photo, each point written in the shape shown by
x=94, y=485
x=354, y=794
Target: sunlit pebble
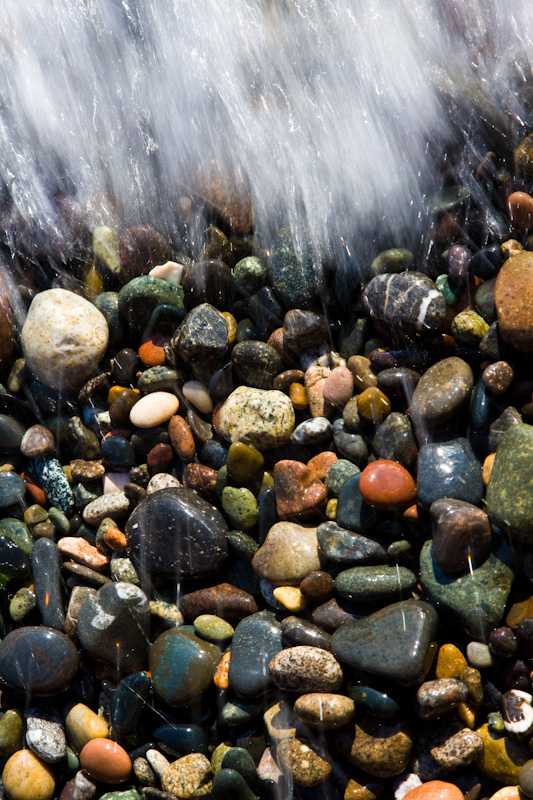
x=520, y=208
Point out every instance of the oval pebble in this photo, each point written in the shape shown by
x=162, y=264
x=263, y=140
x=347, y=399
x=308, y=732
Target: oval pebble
x=154, y=409
x=306, y=669
x=26, y=777
x=106, y=761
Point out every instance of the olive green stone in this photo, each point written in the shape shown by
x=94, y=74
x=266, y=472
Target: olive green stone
x=158, y=379
x=22, y=602
x=182, y=666
x=469, y=328
x=338, y=474
x=241, y=507
x=396, y=259
x=510, y=487
x=375, y=584
x=213, y=628
x=441, y=392
x=502, y=756
x=18, y=532
x=141, y=296
x=245, y=464
x=34, y=514
x=242, y=762
x=11, y=733
x=129, y=794
x=475, y=600
x=60, y=521
x=218, y=756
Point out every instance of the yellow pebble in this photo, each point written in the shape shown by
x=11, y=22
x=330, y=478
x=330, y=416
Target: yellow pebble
x=510, y=248
x=331, y=508
x=487, y=468
x=518, y=612
x=221, y=679
x=450, y=662
x=82, y=725
x=502, y=756
x=93, y=281
x=291, y=597
x=373, y=405
x=467, y=713
x=231, y=324
x=298, y=396
x=25, y=777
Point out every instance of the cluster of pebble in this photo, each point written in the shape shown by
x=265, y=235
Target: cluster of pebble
x=247, y=552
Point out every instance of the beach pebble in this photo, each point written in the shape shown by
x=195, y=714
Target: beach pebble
x=306, y=669
x=435, y=790
x=105, y=761
x=112, y=504
x=288, y=555
x=153, y=409
x=82, y=725
x=408, y=299
x=262, y=419
x=387, y=485
x=26, y=777
x=63, y=339
x=512, y=297
x=45, y=734
x=306, y=767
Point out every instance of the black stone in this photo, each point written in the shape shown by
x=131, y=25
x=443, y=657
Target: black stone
x=407, y=299
x=208, y=282
x=128, y=702
x=202, y=336
x=38, y=660
x=297, y=631
x=46, y=565
x=256, y=364
x=449, y=469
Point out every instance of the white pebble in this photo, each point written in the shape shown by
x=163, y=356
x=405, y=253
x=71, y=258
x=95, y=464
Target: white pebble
x=115, y=504
x=404, y=784
x=170, y=272
x=162, y=481
x=479, y=656
x=154, y=409
x=197, y=394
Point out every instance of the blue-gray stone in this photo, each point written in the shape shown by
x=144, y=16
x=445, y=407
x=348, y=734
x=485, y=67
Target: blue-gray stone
x=352, y=511
x=348, y=548
x=129, y=701
x=449, y=469
x=255, y=642
x=182, y=738
x=12, y=489
x=46, y=569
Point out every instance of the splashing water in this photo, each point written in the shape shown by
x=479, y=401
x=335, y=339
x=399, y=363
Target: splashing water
x=330, y=114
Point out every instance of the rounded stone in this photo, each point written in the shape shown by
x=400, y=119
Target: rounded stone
x=520, y=208
x=182, y=666
x=306, y=767
x=387, y=485
x=513, y=296
x=263, y=419
x=105, y=761
x=306, y=669
x=38, y=660
x=25, y=777
x=509, y=497
x=441, y=392
x=435, y=790
x=288, y=554
x=460, y=531
x=408, y=299
x=154, y=409
x=82, y=725
x=380, y=748
x=178, y=534
x=324, y=709
x=63, y=339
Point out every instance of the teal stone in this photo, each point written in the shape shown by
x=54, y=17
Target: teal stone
x=443, y=285
x=293, y=270
x=479, y=413
x=242, y=762
x=256, y=641
x=228, y=784
x=392, y=643
x=243, y=545
x=348, y=548
x=182, y=666
x=49, y=475
x=107, y=304
x=375, y=584
x=352, y=511
x=141, y=296
x=510, y=487
x=240, y=712
x=182, y=738
x=18, y=532
x=128, y=702
x=476, y=600
x=12, y=489
x=372, y=701
x=240, y=506
x=338, y=474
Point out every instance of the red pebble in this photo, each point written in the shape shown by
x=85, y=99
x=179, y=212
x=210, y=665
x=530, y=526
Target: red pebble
x=106, y=761
x=33, y=491
x=322, y=462
x=299, y=491
x=387, y=485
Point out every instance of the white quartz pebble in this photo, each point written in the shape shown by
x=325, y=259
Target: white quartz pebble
x=170, y=272
x=154, y=409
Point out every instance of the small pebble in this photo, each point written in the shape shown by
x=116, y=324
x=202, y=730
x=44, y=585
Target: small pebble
x=25, y=777
x=105, y=761
x=154, y=409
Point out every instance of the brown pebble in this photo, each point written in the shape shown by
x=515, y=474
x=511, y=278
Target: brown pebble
x=299, y=491
x=338, y=386
x=224, y=600
x=121, y=405
x=282, y=382
x=86, y=470
x=86, y=574
x=201, y=479
x=181, y=438
x=462, y=534
x=317, y=585
x=373, y=405
x=159, y=459
x=306, y=767
x=298, y=396
x=275, y=340
x=314, y=383
x=520, y=208
x=141, y=248
x=498, y=377
x=363, y=377
x=37, y=442
x=106, y=761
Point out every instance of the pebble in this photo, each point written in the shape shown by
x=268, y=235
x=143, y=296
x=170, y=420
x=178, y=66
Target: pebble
x=82, y=725
x=25, y=777
x=257, y=639
x=306, y=767
x=369, y=584
x=435, y=790
x=12, y=489
x=441, y=392
x=324, y=709
x=39, y=660
x=338, y=386
x=84, y=553
x=408, y=299
x=509, y=501
x=46, y=570
x=188, y=777
x=63, y=339
x=502, y=756
x=299, y=491
x=315, y=378
x=387, y=485
x=194, y=662
x=438, y=697
x=347, y=548
x=105, y=761
x=461, y=534
x=288, y=555
x=45, y=735
x=154, y=409
x=37, y=442
x=377, y=747
x=449, y=469
x=306, y=669
x=512, y=297
x=262, y=419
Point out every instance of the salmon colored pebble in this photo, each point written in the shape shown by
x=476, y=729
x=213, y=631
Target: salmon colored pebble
x=508, y=793
x=387, y=485
x=322, y=462
x=181, y=438
x=33, y=491
x=115, y=539
x=221, y=679
x=298, y=396
x=435, y=790
x=106, y=761
x=520, y=207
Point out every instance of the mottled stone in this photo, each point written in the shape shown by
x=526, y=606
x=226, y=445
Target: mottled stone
x=182, y=666
x=324, y=710
x=347, y=548
x=306, y=669
x=178, y=533
x=45, y=734
x=392, y=642
x=226, y=601
x=11, y=434
x=513, y=296
x=114, y=626
x=435, y=698
x=306, y=767
x=63, y=339
x=475, y=600
x=37, y=442
x=139, y=298
x=202, y=336
x=460, y=531
x=407, y=299
x=289, y=553
x=256, y=641
x=82, y=724
x=441, y=392
x=263, y=419
x=50, y=476
x=25, y=777
x=509, y=496
x=256, y=364
x=12, y=489
x=39, y=660
x=299, y=491
x=293, y=269
x=366, y=584
x=379, y=747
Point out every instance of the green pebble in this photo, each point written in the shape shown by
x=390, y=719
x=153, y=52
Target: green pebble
x=123, y=570
x=60, y=521
x=129, y=794
x=469, y=328
x=495, y=721
x=222, y=480
x=241, y=507
x=83, y=442
x=11, y=733
x=443, y=285
x=244, y=545
x=107, y=304
x=158, y=379
x=218, y=756
x=18, y=532
x=22, y=603
x=338, y=474
x=240, y=712
x=396, y=259
x=250, y=274
x=34, y=514
x=213, y=628
x=141, y=296
x=73, y=762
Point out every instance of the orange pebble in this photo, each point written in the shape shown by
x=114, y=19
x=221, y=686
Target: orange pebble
x=411, y=513
x=520, y=208
x=106, y=761
x=322, y=462
x=487, y=468
x=35, y=492
x=387, y=485
x=373, y=405
x=114, y=392
x=298, y=396
x=435, y=790
x=221, y=679
x=152, y=352
x=115, y=539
